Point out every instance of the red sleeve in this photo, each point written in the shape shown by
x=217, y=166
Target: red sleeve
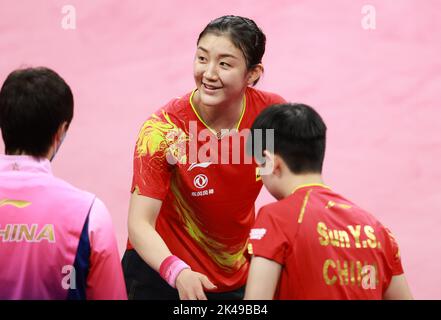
x=105, y=280
x=267, y=237
x=151, y=168
x=393, y=254
x=276, y=99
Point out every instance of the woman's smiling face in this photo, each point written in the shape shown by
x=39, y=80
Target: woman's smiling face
x=220, y=71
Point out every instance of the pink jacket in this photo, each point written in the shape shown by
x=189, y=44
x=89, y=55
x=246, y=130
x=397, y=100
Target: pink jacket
x=56, y=241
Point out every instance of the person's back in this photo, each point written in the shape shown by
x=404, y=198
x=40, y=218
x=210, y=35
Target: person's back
x=314, y=243
x=330, y=248
x=57, y=241
x=41, y=220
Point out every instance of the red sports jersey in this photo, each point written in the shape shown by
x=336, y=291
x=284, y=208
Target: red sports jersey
x=208, y=206
x=329, y=248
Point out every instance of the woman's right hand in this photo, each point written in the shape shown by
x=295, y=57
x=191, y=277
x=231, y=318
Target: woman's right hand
x=191, y=284
x=151, y=247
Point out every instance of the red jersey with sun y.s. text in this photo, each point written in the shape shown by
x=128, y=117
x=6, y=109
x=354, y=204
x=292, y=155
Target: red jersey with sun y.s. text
x=208, y=186
x=329, y=248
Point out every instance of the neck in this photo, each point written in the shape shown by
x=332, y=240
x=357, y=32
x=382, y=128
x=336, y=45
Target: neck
x=48, y=156
x=294, y=181
x=221, y=116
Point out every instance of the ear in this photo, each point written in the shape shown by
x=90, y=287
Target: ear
x=58, y=138
x=267, y=167
x=255, y=73
x=268, y=156
x=278, y=165
x=62, y=129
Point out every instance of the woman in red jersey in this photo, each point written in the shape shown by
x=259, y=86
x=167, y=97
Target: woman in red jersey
x=192, y=201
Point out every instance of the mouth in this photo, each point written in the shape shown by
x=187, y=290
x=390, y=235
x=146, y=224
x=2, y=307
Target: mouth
x=210, y=88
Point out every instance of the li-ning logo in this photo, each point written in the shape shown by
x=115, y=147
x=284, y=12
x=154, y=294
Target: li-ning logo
x=200, y=181
x=199, y=165
x=15, y=203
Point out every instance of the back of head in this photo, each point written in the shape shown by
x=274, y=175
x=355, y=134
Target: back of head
x=299, y=135
x=243, y=33
x=34, y=103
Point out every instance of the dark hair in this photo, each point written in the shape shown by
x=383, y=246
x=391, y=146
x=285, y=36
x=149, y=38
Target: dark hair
x=34, y=102
x=299, y=135
x=245, y=35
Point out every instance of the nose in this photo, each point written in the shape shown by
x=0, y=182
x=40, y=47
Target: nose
x=211, y=72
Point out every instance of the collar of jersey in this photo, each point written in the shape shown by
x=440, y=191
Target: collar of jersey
x=310, y=185
x=25, y=163
x=244, y=103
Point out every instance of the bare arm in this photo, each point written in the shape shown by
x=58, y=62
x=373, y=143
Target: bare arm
x=143, y=212
x=398, y=289
x=262, y=279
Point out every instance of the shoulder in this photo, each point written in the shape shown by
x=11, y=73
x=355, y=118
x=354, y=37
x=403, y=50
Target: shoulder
x=357, y=214
x=289, y=209
x=99, y=211
x=155, y=130
x=69, y=191
x=276, y=211
x=99, y=219
x=263, y=98
x=368, y=219
x=176, y=108
x=99, y=207
x=274, y=224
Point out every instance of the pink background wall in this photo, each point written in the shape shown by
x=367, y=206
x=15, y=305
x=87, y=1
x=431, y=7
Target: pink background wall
x=377, y=90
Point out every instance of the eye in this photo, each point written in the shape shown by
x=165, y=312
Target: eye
x=224, y=64
x=201, y=59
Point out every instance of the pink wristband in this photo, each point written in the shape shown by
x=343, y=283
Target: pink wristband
x=170, y=269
